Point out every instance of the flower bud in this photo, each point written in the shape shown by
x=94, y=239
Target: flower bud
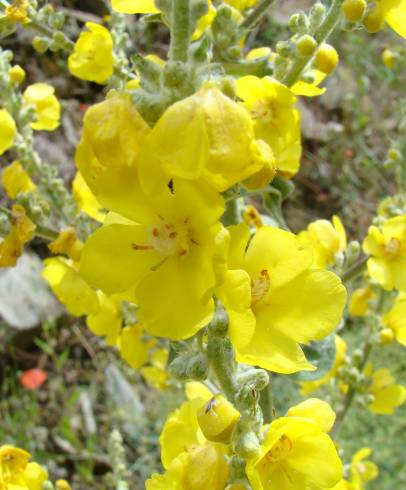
x=217, y=419
x=62, y=485
x=207, y=468
x=388, y=58
x=306, y=45
x=293, y=23
x=357, y=356
x=16, y=74
x=326, y=58
x=386, y=336
x=40, y=44
x=354, y=10
x=394, y=154
x=374, y=21
x=284, y=48
x=317, y=15
x=353, y=375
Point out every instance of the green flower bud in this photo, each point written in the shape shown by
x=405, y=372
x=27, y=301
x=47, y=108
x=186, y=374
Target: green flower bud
x=306, y=45
x=40, y=44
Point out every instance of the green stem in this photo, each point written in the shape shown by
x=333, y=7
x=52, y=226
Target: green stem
x=180, y=30
x=323, y=32
x=221, y=356
x=366, y=351
x=356, y=270
x=266, y=403
x=255, y=16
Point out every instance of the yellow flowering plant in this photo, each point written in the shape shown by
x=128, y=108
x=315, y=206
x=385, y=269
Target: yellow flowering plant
x=173, y=244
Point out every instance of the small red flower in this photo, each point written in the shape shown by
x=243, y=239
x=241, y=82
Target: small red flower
x=33, y=378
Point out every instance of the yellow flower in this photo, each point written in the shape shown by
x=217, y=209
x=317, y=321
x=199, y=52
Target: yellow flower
x=181, y=431
x=46, y=105
x=387, y=395
x=326, y=238
x=17, y=11
x=12, y=245
x=134, y=6
x=206, y=137
x=359, y=301
x=387, y=247
x=92, y=57
x=86, y=200
x=395, y=319
x=156, y=373
x=275, y=300
x=133, y=348
x=107, y=155
x=15, y=180
x=297, y=453
x=362, y=471
x=69, y=287
x=67, y=243
x=277, y=122
x=17, y=473
x=203, y=467
x=307, y=387
x=393, y=12
x=174, y=249
x=8, y=131
x=241, y=4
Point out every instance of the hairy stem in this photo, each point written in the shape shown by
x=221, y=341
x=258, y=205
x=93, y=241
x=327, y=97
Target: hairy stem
x=180, y=30
x=356, y=270
x=322, y=33
x=256, y=14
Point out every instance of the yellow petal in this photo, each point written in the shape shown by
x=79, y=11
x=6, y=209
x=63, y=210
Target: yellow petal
x=107, y=155
x=395, y=15
x=85, y=198
x=220, y=148
x=273, y=351
x=8, y=131
x=181, y=310
x=307, y=308
x=15, y=180
x=133, y=348
x=134, y=6
x=318, y=411
x=69, y=287
x=107, y=320
x=279, y=252
x=235, y=295
x=114, y=272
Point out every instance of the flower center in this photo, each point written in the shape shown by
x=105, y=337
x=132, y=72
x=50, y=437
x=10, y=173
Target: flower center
x=259, y=287
x=168, y=240
x=279, y=450
x=265, y=110
x=392, y=248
